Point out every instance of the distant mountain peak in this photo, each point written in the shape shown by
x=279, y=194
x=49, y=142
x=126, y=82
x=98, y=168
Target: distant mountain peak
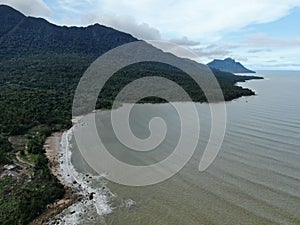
x=229, y=65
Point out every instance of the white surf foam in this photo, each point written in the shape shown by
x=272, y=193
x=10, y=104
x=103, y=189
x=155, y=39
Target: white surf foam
x=96, y=196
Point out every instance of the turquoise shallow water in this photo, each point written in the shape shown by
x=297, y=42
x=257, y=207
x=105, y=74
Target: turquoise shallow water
x=254, y=180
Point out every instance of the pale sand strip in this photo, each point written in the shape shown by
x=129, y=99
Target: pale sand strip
x=53, y=153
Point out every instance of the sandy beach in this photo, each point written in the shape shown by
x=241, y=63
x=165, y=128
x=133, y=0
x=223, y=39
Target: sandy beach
x=52, y=148
x=54, y=154
x=80, y=199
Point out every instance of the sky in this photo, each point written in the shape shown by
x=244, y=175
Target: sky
x=262, y=34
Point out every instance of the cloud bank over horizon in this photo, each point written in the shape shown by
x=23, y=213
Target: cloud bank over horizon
x=214, y=29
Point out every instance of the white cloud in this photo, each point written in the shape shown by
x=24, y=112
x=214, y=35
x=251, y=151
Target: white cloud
x=259, y=50
x=196, y=19
x=184, y=41
x=123, y=23
x=36, y=8
x=263, y=40
x=212, y=52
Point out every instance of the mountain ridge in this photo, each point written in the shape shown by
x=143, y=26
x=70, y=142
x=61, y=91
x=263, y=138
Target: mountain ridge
x=21, y=35
x=32, y=49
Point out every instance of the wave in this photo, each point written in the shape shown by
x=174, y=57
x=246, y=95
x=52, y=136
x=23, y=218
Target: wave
x=95, y=201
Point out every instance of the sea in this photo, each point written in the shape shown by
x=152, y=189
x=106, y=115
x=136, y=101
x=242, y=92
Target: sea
x=255, y=178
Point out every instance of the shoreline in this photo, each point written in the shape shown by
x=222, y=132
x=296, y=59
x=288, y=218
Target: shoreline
x=76, y=189
x=80, y=198
x=54, y=153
